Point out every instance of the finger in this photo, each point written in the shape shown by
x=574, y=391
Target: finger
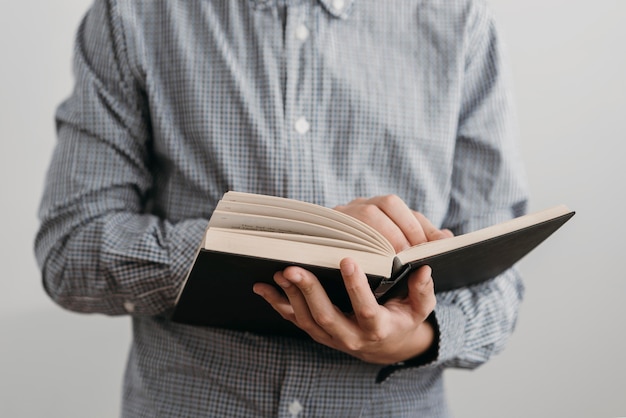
x=448, y=233
x=314, y=311
x=370, y=213
x=358, y=200
x=422, y=292
x=365, y=307
x=295, y=299
x=277, y=300
x=403, y=217
x=431, y=231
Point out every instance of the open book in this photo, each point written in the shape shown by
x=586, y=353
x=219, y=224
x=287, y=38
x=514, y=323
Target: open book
x=252, y=236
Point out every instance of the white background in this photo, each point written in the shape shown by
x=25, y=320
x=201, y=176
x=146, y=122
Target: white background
x=567, y=357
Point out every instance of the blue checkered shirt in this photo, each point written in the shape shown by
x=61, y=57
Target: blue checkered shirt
x=177, y=101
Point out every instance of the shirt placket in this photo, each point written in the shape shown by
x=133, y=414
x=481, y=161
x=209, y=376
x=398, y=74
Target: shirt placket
x=296, y=388
x=299, y=89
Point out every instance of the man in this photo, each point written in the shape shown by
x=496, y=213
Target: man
x=177, y=101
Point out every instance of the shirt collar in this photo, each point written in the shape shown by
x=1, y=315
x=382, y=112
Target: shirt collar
x=337, y=8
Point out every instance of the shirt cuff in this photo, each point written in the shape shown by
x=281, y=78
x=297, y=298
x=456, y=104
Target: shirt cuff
x=448, y=323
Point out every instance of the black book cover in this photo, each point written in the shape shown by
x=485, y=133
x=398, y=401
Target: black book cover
x=218, y=291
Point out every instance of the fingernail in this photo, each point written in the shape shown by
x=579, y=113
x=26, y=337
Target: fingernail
x=258, y=291
x=292, y=275
x=282, y=282
x=347, y=268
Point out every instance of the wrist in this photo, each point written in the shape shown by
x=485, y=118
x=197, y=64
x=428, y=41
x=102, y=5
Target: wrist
x=429, y=351
x=423, y=355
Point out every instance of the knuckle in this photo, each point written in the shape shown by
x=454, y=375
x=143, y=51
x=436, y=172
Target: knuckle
x=428, y=287
x=376, y=336
x=306, y=290
x=415, y=228
x=428, y=307
x=373, y=338
x=355, y=287
x=288, y=316
x=353, y=345
x=368, y=312
x=435, y=234
x=390, y=200
x=306, y=324
x=324, y=319
x=368, y=210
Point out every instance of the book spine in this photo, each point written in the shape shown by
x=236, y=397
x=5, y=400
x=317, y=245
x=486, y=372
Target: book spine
x=398, y=272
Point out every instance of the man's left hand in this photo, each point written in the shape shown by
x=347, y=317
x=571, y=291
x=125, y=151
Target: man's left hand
x=381, y=334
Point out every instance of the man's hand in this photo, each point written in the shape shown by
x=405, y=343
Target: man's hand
x=381, y=334
x=390, y=216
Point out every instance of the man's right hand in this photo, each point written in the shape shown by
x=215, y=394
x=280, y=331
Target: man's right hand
x=390, y=216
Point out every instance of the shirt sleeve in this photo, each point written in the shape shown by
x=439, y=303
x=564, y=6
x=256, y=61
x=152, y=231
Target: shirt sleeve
x=99, y=248
x=488, y=186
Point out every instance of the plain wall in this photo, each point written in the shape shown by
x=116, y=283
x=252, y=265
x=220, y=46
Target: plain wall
x=567, y=355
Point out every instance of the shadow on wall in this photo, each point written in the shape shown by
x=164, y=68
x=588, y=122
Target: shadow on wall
x=60, y=364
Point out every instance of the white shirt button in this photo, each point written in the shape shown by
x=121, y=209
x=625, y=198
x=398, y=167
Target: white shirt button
x=295, y=408
x=302, y=33
x=302, y=125
x=129, y=306
x=338, y=5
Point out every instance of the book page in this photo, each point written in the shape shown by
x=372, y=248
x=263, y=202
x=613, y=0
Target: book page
x=248, y=222
x=294, y=252
x=309, y=208
x=297, y=215
x=327, y=242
